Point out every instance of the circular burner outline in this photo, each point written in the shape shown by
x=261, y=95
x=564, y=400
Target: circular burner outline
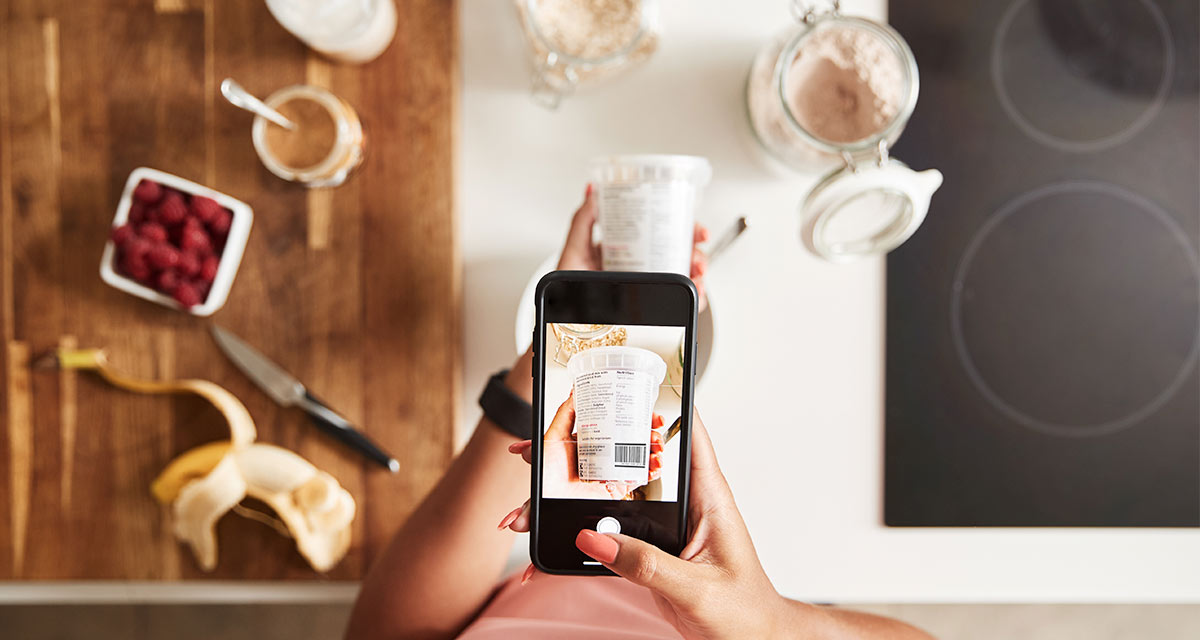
x=960, y=342
x=1075, y=146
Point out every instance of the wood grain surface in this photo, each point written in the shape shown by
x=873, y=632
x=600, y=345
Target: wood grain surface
x=355, y=290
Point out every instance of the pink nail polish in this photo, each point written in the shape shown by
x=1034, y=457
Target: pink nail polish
x=588, y=193
x=597, y=545
x=508, y=519
x=528, y=575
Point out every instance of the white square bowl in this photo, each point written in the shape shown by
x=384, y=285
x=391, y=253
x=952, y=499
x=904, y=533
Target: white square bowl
x=230, y=259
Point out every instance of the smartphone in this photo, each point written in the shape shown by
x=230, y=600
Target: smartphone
x=614, y=372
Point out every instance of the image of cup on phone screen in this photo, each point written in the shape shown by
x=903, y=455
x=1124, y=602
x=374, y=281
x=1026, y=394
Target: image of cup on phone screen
x=613, y=404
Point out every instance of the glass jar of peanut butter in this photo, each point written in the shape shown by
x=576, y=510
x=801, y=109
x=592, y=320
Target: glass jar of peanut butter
x=325, y=145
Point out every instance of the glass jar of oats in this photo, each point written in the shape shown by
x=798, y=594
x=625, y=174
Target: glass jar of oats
x=574, y=337
x=575, y=42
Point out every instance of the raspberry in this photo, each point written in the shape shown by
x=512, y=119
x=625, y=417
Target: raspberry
x=221, y=223
x=134, y=267
x=208, y=269
x=163, y=256
x=203, y=288
x=167, y=280
x=137, y=247
x=121, y=235
x=148, y=192
x=206, y=209
x=153, y=232
x=189, y=264
x=186, y=295
x=195, y=240
x=172, y=211
x=175, y=232
x=137, y=213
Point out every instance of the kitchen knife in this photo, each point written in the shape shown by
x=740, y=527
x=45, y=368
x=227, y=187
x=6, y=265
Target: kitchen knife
x=289, y=392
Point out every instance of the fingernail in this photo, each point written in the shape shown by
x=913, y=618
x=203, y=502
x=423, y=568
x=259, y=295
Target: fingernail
x=508, y=519
x=597, y=545
x=588, y=193
x=528, y=575
x=517, y=446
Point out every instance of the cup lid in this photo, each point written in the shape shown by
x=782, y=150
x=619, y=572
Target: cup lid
x=652, y=168
x=618, y=357
x=866, y=210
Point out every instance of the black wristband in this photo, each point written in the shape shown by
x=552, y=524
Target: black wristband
x=508, y=410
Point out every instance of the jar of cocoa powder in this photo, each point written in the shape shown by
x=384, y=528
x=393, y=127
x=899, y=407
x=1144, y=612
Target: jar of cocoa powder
x=834, y=92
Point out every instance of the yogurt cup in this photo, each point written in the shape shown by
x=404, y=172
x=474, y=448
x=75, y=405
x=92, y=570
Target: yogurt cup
x=615, y=389
x=647, y=207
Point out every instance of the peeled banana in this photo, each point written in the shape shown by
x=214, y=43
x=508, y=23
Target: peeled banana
x=205, y=483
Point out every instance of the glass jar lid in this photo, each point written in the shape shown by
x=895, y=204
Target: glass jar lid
x=581, y=331
x=861, y=211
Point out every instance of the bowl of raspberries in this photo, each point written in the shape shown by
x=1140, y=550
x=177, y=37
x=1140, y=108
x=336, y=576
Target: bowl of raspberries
x=175, y=242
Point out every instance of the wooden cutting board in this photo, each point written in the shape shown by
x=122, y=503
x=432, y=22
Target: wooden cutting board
x=354, y=290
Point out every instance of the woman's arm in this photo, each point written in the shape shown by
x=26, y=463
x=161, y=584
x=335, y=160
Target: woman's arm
x=443, y=564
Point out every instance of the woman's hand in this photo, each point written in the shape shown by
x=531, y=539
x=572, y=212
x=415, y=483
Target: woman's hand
x=581, y=254
x=716, y=588
x=560, y=462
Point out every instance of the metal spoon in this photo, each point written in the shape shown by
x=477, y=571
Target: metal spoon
x=727, y=237
x=673, y=430
x=239, y=97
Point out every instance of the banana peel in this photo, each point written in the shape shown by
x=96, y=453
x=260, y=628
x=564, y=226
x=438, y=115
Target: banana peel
x=201, y=503
x=190, y=466
x=205, y=483
x=316, y=510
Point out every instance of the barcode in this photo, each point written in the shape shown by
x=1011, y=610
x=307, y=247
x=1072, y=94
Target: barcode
x=629, y=455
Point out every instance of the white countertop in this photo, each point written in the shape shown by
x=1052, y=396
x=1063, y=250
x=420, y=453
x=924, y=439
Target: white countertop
x=794, y=394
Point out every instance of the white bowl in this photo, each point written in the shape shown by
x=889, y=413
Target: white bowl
x=230, y=259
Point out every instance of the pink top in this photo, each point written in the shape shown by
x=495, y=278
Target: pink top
x=570, y=606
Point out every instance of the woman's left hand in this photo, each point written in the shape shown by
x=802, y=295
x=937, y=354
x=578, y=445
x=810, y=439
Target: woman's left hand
x=560, y=461
x=581, y=254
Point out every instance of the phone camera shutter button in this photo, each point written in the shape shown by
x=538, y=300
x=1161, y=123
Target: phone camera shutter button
x=608, y=524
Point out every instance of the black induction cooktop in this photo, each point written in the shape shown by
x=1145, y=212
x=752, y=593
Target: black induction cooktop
x=1043, y=325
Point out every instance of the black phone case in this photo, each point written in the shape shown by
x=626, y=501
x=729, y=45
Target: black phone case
x=539, y=409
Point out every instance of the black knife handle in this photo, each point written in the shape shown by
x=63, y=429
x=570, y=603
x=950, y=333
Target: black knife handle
x=335, y=425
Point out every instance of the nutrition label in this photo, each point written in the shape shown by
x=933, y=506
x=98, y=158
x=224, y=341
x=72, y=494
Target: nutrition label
x=647, y=227
x=613, y=409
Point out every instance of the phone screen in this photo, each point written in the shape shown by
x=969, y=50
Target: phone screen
x=615, y=398
x=613, y=395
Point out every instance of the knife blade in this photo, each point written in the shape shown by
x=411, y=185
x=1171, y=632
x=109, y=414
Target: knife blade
x=287, y=391
x=283, y=388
